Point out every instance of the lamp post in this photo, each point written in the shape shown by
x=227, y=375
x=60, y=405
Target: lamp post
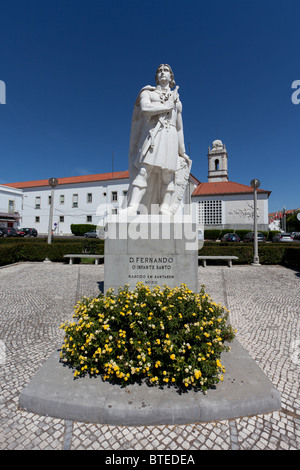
x=53, y=183
x=255, y=184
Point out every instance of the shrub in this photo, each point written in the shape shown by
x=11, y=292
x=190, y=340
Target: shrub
x=291, y=257
x=275, y=253
x=163, y=336
x=93, y=246
x=8, y=254
x=38, y=250
x=212, y=234
x=243, y=252
x=80, y=229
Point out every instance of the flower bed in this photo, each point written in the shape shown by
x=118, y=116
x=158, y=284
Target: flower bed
x=163, y=336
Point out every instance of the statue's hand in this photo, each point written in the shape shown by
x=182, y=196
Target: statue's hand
x=186, y=157
x=170, y=104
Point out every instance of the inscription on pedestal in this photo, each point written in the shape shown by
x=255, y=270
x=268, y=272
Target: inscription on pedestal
x=170, y=258
x=151, y=270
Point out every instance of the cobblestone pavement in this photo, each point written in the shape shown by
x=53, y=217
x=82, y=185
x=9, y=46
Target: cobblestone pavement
x=264, y=303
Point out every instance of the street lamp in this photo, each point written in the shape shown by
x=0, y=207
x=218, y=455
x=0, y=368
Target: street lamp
x=53, y=183
x=255, y=184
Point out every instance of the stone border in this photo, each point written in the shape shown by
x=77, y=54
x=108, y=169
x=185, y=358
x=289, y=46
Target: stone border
x=245, y=391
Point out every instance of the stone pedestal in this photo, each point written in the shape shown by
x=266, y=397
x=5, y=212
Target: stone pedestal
x=154, y=250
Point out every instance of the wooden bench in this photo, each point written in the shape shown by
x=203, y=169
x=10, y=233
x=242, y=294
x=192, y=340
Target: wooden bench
x=226, y=258
x=72, y=257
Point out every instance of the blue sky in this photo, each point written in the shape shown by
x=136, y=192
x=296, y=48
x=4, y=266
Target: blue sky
x=73, y=68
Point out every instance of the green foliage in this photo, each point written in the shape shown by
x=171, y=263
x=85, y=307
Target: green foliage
x=81, y=229
x=164, y=336
x=38, y=249
x=275, y=253
x=93, y=246
x=292, y=223
x=243, y=252
x=291, y=257
x=13, y=250
x=212, y=234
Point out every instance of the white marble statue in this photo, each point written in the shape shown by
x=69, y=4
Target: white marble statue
x=158, y=165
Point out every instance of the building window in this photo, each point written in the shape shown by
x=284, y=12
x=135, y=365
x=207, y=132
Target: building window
x=11, y=205
x=75, y=200
x=114, y=196
x=37, y=219
x=210, y=212
x=89, y=197
x=38, y=202
x=114, y=211
x=89, y=218
x=49, y=200
x=61, y=218
x=62, y=199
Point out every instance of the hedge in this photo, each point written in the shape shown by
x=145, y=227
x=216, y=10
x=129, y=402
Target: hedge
x=291, y=258
x=275, y=253
x=80, y=229
x=217, y=234
x=38, y=249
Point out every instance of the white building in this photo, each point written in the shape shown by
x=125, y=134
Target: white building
x=223, y=204
x=77, y=200
x=10, y=206
x=218, y=203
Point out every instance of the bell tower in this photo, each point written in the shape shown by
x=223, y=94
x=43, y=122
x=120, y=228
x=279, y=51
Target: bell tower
x=217, y=162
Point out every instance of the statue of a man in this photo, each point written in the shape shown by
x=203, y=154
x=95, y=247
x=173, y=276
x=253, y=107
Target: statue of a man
x=156, y=149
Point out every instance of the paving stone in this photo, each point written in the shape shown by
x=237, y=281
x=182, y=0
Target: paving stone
x=35, y=298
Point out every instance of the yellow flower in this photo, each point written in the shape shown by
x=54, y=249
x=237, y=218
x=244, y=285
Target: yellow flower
x=172, y=357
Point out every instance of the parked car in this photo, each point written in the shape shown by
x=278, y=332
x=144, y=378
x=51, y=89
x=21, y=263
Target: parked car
x=295, y=235
x=249, y=237
x=282, y=237
x=20, y=233
x=29, y=232
x=230, y=237
x=91, y=234
x=8, y=232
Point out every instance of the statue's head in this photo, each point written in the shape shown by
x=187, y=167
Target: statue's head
x=162, y=66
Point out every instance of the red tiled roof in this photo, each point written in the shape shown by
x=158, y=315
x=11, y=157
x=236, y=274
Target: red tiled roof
x=73, y=179
x=289, y=211
x=224, y=187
